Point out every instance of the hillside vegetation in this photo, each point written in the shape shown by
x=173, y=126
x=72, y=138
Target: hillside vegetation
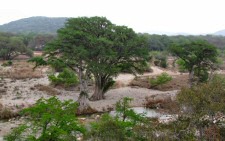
x=34, y=25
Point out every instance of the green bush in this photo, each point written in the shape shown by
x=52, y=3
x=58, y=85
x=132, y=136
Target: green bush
x=66, y=78
x=8, y=63
x=119, y=127
x=49, y=120
x=160, y=79
x=181, y=65
x=203, y=102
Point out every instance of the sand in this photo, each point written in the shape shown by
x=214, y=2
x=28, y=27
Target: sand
x=23, y=93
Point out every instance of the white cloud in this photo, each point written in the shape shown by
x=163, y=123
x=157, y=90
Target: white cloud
x=191, y=16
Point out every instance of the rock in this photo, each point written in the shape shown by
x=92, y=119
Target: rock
x=157, y=101
x=97, y=117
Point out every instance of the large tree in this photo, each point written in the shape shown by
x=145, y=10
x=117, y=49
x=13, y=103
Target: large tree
x=198, y=56
x=96, y=47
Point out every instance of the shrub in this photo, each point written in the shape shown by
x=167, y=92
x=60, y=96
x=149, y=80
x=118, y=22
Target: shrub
x=206, y=98
x=48, y=120
x=203, y=102
x=8, y=63
x=181, y=65
x=160, y=79
x=65, y=78
x=119, y=127
x=159, y=58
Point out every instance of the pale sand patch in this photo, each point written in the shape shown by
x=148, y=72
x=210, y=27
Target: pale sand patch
x=137, y=94
x=21, y=94
x=127, y=78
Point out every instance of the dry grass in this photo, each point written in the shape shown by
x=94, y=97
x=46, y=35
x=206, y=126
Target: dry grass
x=163, y=102
x=6, y=113
x=141, y=81
x=118, y=84
x=87, y=111
x=47, y=89
x=21, y=70
x=176, y=83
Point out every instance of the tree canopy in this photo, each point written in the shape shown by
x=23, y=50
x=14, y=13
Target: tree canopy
x=96, y=46
x=11, y=46
x=198, y=56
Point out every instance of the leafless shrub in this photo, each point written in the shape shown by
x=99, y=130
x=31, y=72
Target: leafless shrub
x=163, y=102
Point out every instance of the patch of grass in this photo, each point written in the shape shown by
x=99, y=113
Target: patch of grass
x=8, y=63
x=160, y=79
x=47, y=89
x=21, y=70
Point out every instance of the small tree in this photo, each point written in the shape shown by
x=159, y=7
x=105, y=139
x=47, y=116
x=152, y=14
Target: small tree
x=198, y=56
x=49, y=120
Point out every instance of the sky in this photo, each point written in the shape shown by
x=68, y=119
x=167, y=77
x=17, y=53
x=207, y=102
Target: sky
x=153, y=16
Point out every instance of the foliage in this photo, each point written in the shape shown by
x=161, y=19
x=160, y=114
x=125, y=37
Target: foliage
x=207, y=98
x=8, y=63
x=198, y=58
x=163, y=42
x=66, y=78
x=49, y=119
x=180, y=130
x=11, y=46
x=38, y=60
x=57, y=64
x=36, y=25
x=159, y=58
x=96, y=46
x=203, y=103
x=160, y=79
x=118, y=127
x=181, y=65
x=17, y=134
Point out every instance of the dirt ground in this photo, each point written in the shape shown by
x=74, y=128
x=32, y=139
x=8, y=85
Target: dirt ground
x=20, y=87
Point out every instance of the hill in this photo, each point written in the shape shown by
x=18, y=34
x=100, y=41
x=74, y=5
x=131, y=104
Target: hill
x=221, y=32
x=34, y=25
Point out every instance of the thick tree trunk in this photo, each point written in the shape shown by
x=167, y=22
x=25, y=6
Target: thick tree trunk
x=84, y=106
x=98, y=93
x=102, y=85
x=83, y=101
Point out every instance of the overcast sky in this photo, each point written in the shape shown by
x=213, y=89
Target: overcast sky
x=177, y=16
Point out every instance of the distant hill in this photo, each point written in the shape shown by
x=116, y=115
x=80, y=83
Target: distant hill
x=221, y=32
x=35, y=25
